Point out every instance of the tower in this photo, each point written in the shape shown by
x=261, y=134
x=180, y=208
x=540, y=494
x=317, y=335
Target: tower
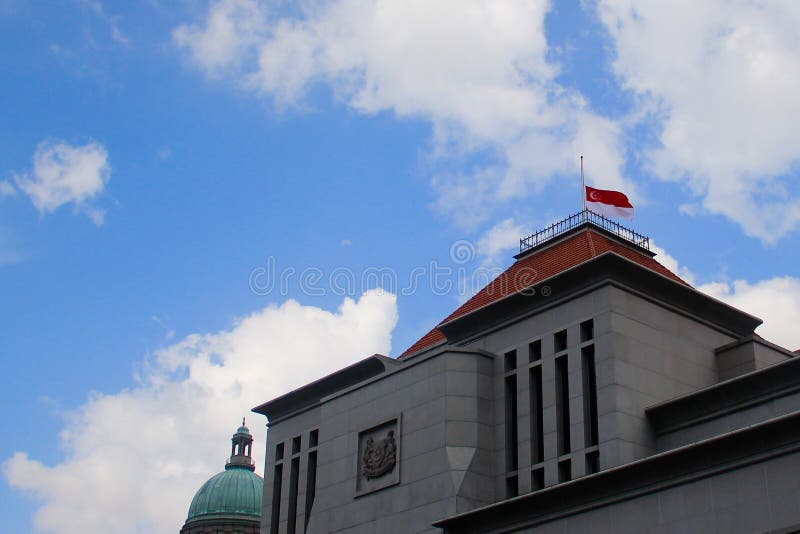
x=229, y=501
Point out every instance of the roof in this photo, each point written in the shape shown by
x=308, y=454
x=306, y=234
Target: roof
x=542, y=263
x=235, y=491
x=312, y=393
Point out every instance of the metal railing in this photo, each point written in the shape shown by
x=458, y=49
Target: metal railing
x=577, y=219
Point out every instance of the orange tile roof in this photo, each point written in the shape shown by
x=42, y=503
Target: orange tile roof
x=540, y=265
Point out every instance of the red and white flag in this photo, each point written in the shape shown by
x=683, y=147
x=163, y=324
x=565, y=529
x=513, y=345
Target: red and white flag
x=608, y=203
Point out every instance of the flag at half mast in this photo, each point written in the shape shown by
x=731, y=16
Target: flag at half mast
x=608, y=203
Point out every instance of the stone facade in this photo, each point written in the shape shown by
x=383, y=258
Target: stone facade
x=578, y=410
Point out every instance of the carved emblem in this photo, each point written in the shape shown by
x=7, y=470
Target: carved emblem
x=379, y=457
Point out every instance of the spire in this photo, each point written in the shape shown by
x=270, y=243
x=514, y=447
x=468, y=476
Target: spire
x=241, y=449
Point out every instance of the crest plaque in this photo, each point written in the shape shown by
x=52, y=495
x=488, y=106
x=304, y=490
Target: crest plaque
x=378, y=457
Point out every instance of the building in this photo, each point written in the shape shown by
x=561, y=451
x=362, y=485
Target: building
x=587, y=388
x=230, y=501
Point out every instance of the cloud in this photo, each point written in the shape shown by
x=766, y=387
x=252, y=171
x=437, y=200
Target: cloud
x=7, y=189
x=719, y=81
x=476, y=70
x=66, y=174
x=672, y=264
x=230, y=29
x=774, y=300
x=500, y=238
x=139, y=455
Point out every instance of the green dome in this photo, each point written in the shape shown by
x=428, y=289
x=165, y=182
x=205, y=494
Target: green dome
x=235, y=491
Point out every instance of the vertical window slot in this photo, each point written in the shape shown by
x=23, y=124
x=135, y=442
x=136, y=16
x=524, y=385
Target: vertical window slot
x=311, y=486
x=587, y=330
x=560, y=341
x=537, y=416
x=512, y=487
x=592, y=462
x=277, y=482
x=537, y=479
x=291, y=519
x=564, y=470
x=510, y=360
x=589, y=395
x=511, y=423
x=562, y=405
x=535, y=351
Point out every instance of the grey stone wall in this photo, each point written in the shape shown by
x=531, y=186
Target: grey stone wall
x=567, y=316
x=760, y=497
x=656, y=354
x=444, y=405
x=747, y=355
x=451, y=408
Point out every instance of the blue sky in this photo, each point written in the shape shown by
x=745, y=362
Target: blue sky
x=158, y=157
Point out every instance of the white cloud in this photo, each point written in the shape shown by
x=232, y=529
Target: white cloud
x=722, y=79
x=502, y=237
x=672, y=264
x=476, y=70
x=7, y=189
x=139, y=455
x=230, y=29
x=775, y=300
x=64, y=174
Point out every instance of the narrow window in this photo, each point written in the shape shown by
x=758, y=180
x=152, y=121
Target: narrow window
x=277, y=481
x=592, y=462
x=313, y=438
x=589, y=396
x=511, y=423
x=537, y=416
x=564, y=470
x=512, y=487
x=296, y=445
x=279, y=452
x=562, y=405
x=510, y=360
x=537, y=479
x=291, y=519
x=535, y=351
x=587, y=330
x=311, y=485
x=560, y=341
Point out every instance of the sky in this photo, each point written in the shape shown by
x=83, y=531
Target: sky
x=204, y=204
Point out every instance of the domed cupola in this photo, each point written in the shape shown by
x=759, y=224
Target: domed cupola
x=231, y=500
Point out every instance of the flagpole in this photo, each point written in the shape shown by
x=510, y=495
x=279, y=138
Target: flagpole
x=583, y=193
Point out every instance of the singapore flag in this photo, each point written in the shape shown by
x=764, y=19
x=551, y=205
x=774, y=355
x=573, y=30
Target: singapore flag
x=608, y=203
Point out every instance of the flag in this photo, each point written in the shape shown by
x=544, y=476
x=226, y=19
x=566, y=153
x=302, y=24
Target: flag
x=608, y=203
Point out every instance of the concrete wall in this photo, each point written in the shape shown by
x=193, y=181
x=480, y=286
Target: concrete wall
x=568, y=316
x=644, y=354
x=746, y=355
x=657, y=355
x=734, y=419
x=759, y=497
x=444, y=403
x=452, y=407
